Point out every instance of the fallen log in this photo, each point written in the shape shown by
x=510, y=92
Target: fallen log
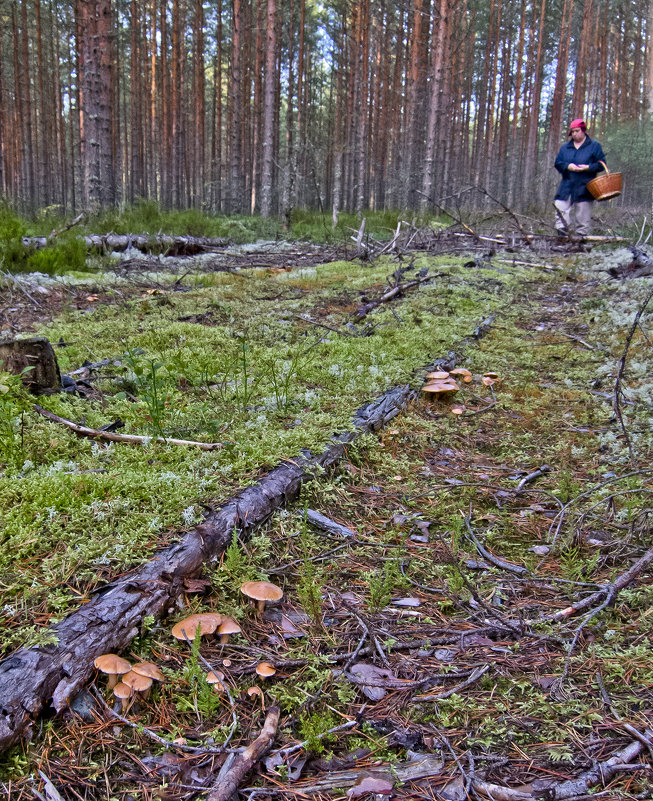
x=145, y=243
x=31, y=679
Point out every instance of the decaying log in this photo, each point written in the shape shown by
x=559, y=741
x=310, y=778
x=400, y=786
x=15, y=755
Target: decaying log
x=112, y=436
x=37, y=354
x=160, y=243
x=234, y=770
x=33, y=678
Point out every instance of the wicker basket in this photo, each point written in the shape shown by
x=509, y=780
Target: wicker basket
x=605, y=186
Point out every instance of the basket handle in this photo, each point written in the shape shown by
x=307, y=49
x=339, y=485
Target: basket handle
x=605, y=167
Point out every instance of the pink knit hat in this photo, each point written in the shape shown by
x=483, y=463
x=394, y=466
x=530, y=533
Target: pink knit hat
x=577, y=124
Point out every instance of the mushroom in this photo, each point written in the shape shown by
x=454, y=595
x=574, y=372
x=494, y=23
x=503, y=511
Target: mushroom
x=438, y=388
x=113, y=665
x=261, y=591
x=252, y=691
x=438, y=375
x=139, y=684
x=265, y=670
x=463, y=373
x=227, y=627
x=216, y=679
x=490, y=378
x=124, y=692
x=150, y=670
x=206, y=622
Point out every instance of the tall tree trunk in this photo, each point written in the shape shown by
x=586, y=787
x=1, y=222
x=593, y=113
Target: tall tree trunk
x=269, y=107
x=96, y=81
x=236, y=188
x=582, y=60
x=439, y=47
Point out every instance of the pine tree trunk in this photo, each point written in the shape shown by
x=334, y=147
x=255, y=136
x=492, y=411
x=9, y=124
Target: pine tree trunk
x=96, y=80
x=269, y=107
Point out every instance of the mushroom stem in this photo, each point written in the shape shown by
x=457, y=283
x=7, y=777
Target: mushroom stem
x=224, y=639
x=114, y=678
x=260, y=606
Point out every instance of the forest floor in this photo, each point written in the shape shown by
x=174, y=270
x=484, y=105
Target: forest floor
x=476, y=620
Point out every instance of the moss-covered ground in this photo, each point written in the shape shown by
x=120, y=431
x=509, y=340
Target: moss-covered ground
x=479, y=672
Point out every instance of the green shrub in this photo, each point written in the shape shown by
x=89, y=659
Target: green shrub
x=64, y=256
x=12, y=229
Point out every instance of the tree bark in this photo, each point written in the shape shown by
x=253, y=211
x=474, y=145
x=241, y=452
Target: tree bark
x=96, y=80
x=269, y=107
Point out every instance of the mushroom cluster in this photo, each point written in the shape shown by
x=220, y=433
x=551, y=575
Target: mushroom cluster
x=134, y=679
x=442, y=384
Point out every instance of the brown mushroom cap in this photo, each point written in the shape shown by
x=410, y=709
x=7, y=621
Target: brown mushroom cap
x=262, y=591
x=113, y=665
x=206, y=622
x=122, y=690
x=437, y=388
x=438, y=375
x=138, y=683
x=265, y=669
x=464, y=373
x=215, y=677
x=149, y=669
x=124, y=693
x=227, y=627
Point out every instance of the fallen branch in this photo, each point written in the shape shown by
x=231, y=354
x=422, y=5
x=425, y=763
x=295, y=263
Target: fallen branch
x=133, y=439
x=495, y=560
x=473, y=678
x=237, y=766
x=363, y=311
x=55, y=233
x=609, y=590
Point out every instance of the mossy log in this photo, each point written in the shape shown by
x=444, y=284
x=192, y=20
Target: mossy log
x=145, y=243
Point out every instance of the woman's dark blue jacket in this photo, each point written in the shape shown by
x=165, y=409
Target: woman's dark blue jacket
x=574, y=184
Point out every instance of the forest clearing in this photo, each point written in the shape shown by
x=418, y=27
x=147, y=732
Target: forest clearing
x=466, y=602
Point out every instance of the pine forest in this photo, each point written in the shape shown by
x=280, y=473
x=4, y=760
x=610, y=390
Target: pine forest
x=260, y=107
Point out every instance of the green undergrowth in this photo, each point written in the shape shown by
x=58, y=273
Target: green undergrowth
x=233, y=363
x=405, y=495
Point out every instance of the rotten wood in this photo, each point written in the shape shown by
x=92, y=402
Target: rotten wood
x=34, y=360
x=112, y=436
x=237, y=766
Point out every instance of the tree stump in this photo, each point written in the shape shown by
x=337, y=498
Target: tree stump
x=36, y=352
